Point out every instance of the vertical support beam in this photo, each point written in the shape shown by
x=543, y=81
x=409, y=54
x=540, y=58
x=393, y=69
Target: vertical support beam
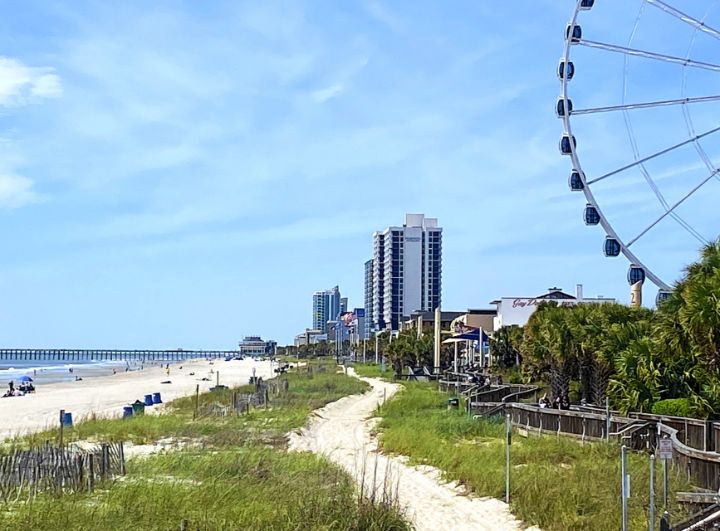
x=651, y=509
x=624, y=487
x=437, y=340
x=508, y=441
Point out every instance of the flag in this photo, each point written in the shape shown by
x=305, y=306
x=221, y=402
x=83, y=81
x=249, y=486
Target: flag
x=348, y=318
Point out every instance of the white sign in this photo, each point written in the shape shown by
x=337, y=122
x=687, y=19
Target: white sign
x=665, y=449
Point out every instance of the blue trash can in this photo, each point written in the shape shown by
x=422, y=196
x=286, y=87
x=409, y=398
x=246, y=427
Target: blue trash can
x=127, y=411
x=156, y=398
x=67, y=419
x=148, y=400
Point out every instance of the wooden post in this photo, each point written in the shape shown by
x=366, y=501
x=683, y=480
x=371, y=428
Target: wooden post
x=217, y=378
x=105, y=460
x=62, y=415
x=183, y=525
x=122, y=459
x=91, y=472
x=197, y=400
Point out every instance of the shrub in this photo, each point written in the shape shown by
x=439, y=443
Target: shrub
x=676, y=407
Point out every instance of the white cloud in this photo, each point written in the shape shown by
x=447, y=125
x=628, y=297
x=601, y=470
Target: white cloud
x=16, y=191
x=327, y=93
x=21, y=84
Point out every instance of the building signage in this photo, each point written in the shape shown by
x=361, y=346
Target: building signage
x=527, y=303
x=412, y=239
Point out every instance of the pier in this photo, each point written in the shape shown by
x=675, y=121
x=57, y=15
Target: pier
x=108, y=354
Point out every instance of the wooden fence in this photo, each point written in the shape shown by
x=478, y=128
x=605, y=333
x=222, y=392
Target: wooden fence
x=237, y=403
x=49, y=468
x=694, y=440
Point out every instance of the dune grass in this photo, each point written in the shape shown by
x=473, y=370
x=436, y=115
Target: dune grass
x=372, y=370
x=306, y=392
x=556, y=483
x=238, y=477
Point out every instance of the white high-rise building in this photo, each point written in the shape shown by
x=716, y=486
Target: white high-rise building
x=407, y=270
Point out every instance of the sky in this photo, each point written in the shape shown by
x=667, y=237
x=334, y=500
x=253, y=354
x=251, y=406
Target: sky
x=179, y=174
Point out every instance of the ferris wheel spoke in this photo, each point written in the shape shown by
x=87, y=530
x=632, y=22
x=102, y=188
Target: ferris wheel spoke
x=645, y=105
x=695, y=23
x=654, y=155
x=672, y=208
x=649, y=55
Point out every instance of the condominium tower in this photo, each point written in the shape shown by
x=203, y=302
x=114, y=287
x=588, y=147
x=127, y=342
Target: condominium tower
x=368, y=328
x=406, y=271
x=326, y=307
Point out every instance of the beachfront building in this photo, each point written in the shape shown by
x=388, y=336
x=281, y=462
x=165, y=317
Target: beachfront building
x=368, y=321
x=426, y=320
x=310, y=337
x=327, y=306
x=407, y=271
x=517, y=310
x=255, y=346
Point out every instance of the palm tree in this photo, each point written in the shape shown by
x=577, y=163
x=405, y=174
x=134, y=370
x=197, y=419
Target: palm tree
x=506, y=344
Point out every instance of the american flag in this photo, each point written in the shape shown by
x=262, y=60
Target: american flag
x=348, y=318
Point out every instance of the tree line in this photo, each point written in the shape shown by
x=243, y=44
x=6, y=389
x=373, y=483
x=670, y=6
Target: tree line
x=663, y=361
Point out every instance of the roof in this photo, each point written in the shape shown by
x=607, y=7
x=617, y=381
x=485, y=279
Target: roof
x=430, y=316
x=483, y=311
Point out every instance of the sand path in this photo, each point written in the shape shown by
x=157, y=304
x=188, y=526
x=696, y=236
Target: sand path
x=342, y=432
x=106, y=395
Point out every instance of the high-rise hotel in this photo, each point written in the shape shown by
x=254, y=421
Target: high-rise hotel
x=406, y=272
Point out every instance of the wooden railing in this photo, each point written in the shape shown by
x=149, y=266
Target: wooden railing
x=640, y=431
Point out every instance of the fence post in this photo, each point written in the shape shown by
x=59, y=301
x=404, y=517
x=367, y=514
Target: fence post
x=607, y=418
x=183, y=525
x=105, y=460
x=624, y=487
x=665, y=484
x=91, y=473
x=122, y=458
x=62, y=415
x=197, y=401
x=651, y=510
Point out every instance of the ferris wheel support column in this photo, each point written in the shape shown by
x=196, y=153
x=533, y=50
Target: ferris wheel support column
x=636, y=295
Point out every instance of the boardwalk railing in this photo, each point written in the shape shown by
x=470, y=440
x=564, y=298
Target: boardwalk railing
x=49, y=468
x=691, y=438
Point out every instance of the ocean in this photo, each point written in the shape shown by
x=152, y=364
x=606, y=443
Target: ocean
x=48, y=371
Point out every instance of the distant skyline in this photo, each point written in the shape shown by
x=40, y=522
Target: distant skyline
x=180, y=174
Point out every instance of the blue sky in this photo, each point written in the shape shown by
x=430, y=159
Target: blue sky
x=179, y=174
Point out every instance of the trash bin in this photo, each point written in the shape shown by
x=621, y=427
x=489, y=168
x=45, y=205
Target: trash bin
x=138, y=407
x=156, y=398
x=453, y=403
x=67, y=419
x=148, y=400
x=127, y=411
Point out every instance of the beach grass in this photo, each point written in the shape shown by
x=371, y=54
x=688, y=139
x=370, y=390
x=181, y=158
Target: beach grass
x=306, y=391
x=556, y=482
x=372, y=370
x=236, y=475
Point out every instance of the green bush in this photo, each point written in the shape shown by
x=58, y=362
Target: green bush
x=676, y=407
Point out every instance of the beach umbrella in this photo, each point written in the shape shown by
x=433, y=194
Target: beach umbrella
x=25, y=379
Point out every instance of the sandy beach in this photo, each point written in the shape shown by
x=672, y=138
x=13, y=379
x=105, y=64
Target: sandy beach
x=106, y=395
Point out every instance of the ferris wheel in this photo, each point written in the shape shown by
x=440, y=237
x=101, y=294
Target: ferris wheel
x=643, y=145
